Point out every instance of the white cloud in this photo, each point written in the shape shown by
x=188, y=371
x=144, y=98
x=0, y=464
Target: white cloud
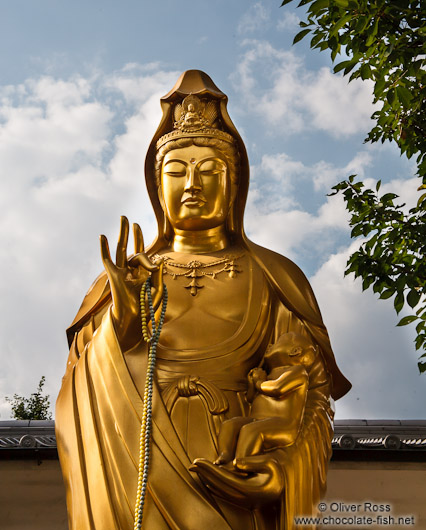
x=377, y=357
x=138, y=84
x=326, y=175
x=289, y=186
x=289, y=20
x=277, y=220
x=72, y=160
x=254, y=19
x=281, y=166
x=406, y=189
x=295, y=232
x=277, y=86
x=336, y=106
x=70, y=166
x=45, y=135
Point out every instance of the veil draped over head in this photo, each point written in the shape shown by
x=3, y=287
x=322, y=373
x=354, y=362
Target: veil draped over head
x=201, y=85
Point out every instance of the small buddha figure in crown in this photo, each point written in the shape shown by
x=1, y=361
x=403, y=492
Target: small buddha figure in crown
x=192, y=115
x=229, y=300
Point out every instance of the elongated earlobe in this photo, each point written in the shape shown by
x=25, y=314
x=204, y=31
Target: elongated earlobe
x=167, y=227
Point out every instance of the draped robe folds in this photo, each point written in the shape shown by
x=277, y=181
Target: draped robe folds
x=99, y=414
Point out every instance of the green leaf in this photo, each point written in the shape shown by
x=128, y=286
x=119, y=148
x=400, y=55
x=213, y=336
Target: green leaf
x=285, y=2
x=379, y=86
x=341, y=65
x=398, y=303
x=413, y=297
x=421, y=199
x=379, y=183
x=404, y=96
x=356, y=231
x=387, y=294
x=388, y=197
x=372, y=32
x=361, y=24
x=300, y=35
x=365, y=71
x=316, y=39
x=322, y=45
x=390, y=96
x=407, y=320
x=318, y=5
x=341, y=22
x=420, y=327
x=351, y=65
x=335, y=52
x=367, y=282
x=422, y=367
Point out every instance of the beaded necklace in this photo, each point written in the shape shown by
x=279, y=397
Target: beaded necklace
x=145, y=435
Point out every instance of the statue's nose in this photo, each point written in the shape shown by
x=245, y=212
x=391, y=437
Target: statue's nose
x=193, y=180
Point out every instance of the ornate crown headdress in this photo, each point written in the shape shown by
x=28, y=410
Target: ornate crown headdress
x=195, y=117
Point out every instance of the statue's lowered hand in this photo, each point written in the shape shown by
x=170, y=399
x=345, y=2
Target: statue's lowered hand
x=254, y=481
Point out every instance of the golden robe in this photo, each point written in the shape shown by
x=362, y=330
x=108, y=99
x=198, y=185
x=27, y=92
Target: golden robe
x=98, y=412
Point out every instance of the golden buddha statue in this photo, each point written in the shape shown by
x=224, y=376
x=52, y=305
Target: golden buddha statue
x=229, y=302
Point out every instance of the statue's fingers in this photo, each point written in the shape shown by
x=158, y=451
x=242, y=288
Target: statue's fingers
x=157, y=283
x=267, y=478
x=266, y=466
x=105, y=253
x=143, y=260
x=255, y=464
x=138, y=238
x=121, y=254
x=223, y=482
x=157, y=275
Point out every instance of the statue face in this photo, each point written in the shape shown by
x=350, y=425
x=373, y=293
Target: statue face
x=195, y=188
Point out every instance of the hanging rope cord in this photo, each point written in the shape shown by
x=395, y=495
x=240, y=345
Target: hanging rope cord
x=145, y=435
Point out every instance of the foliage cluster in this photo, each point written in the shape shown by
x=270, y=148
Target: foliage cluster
x=385, y=42
x=392, y=258
x=36, y=407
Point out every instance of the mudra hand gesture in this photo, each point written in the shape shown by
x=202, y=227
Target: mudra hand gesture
x=126, y=277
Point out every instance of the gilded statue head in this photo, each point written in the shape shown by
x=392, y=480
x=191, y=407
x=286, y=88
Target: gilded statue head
x=196, y=146
x=196, y=167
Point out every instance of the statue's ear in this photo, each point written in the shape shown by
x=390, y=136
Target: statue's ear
x=234, y=191
x=160, y=197
x=231, y=223
x=167, y=227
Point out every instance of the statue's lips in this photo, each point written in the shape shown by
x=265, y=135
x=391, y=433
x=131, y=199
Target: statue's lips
x=194, y=201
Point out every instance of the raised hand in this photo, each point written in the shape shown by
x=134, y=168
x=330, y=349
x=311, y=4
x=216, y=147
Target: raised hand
x=126, y=277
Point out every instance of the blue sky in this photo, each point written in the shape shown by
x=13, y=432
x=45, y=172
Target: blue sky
x=79, y=101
